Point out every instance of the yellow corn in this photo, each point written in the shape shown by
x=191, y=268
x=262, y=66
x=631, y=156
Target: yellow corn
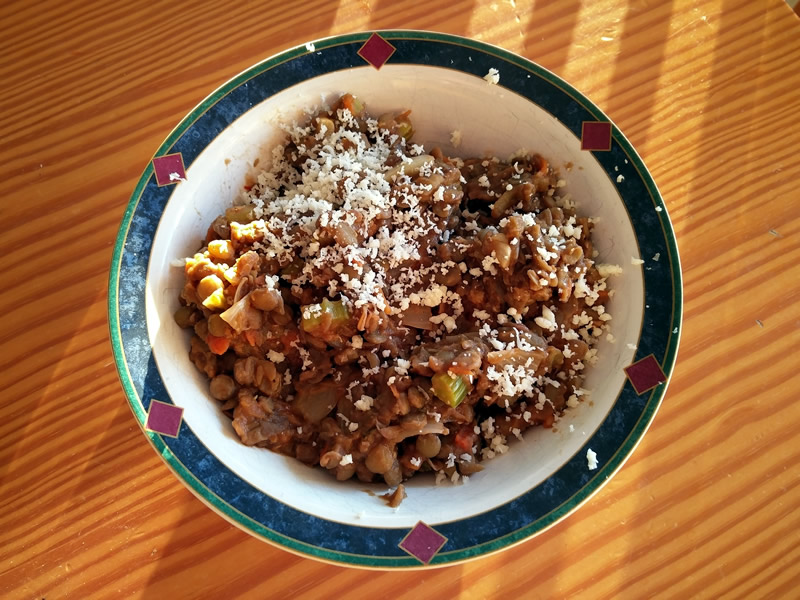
x=216, y=301
x=221, y=250
x=208, y=285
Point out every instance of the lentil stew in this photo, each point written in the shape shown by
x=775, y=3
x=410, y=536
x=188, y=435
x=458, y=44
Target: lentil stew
x=380, y=310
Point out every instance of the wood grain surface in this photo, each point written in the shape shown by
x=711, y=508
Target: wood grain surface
x=706, y=90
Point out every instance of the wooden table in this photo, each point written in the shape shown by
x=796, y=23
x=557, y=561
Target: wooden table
x=709, y=504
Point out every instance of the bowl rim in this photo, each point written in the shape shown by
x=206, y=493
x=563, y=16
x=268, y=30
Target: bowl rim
x=252, y=526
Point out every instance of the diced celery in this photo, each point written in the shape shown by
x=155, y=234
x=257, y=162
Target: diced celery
x=404, y=129
x=449, y=389
x=353, y=104
x=240, y=214
x=314, y=314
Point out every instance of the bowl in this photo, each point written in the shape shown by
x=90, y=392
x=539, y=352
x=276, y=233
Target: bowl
x=201, y=167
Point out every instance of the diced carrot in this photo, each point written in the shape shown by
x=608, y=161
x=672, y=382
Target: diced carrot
x=543, y=165
x=353, y=104
x=463, y=438
x=287, y=339
x=347, y=102
x=459, y=369
x=217, y=345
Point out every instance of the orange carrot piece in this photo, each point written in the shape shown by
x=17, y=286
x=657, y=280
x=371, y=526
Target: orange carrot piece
x=218, y=345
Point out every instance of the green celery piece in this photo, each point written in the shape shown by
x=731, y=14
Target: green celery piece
x=337, y=310
x=451, y=390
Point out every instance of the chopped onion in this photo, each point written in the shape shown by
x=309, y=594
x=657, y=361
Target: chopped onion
x=242, y=316
x=397, y=433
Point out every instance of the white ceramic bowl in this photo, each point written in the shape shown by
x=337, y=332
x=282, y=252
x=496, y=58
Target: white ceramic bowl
x=439, y=77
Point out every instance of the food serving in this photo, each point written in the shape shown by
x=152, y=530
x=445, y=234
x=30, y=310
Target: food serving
x=381, y=310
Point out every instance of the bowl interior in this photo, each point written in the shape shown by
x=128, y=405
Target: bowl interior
x=492, y=121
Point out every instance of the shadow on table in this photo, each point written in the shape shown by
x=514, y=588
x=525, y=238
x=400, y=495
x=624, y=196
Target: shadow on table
x=732, y=81
x=723, y=86
x=38, y=393
x=384, y=14
x=552, y=23
x=643, y=36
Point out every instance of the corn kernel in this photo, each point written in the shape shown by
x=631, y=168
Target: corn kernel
x=208, y=285
x=216, y=301
x=221, y=249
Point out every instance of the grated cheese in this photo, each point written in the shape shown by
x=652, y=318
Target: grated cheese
x=591, y=459
x=276, y=357
x=364, y=403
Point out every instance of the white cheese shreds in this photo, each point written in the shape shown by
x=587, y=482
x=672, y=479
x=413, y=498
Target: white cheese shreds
x=402, y=366
x=275, y=357
x=347, y=459
x=493, y=76
x=609, y=270
x=591, y=459
x=364, y=403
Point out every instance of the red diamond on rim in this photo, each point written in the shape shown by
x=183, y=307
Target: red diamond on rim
x=423, y=542
x=596, y=135
x=376, y=51
x=164, y=418
x=169, y=169
x=645, y=374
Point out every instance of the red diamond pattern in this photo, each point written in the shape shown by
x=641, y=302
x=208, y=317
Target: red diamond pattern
x=376, y=51
x=423, y=542
x=164, y=418
x=169, y=169
x=645, y=374
x=596, y=135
